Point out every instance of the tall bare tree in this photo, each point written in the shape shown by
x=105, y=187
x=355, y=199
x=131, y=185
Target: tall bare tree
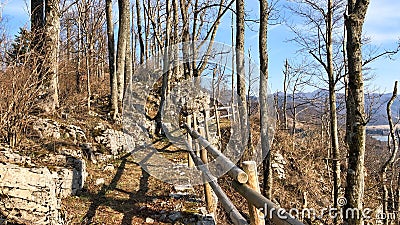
x=123, y=39
x=51, y=47
x=37, y=23
x=166, y=69
x=263, y=94
x=111, y=58
x=140, y=31
x=285, y=90
x=355, y=114
x=332, y=80
x=393, y=149
x=240, y=70
x=321, y=19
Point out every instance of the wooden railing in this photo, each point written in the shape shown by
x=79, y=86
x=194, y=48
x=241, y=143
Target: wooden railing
x=245, y=179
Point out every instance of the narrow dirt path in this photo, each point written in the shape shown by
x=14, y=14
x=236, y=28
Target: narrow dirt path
x=129, y=195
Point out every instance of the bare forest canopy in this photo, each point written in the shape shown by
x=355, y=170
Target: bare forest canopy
x=112, y=80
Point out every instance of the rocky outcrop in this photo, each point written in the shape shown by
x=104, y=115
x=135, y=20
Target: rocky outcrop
x=6, y=155
x=47, y=128
x=32, y=195
x=29, y=195
x=71, y=179
x=278, y=165
x=117, y=141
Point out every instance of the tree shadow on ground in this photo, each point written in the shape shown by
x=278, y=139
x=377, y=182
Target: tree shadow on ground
x=130, y=208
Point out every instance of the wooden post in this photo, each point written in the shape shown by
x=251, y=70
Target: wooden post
x=233, y=113
x=250, y=167
x=218, y=124
x=234, y=171
x=211, y=206
x=206, y=130
x=189, y=139
x=195, y=127
x=226, y=203
x=272, y=212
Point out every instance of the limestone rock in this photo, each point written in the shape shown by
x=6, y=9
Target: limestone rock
x=109, y=168
x=116, y=141
x=278, y=165
x=7, y=155
x=47, y=128
x=70, y=181
x=149, y=220
x=99, y=181
x=31, y=194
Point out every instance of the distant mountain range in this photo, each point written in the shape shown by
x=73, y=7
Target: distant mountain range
x=317, y=101
x=375, y=104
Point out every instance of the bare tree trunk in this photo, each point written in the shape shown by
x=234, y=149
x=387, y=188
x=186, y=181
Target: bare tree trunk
x=185, y=38
x=241, y=80
x=88, y=53
x=233, y=69
x=285, y=88
x=393, y=148
x=140, y=33
x=333, y=113
x=397, y=206
x=37, y=25
x=52, y=37
x=128, y=58
x=124, y=20
x=263, y=95
x=294, y=119
x=166, y=72
x=356, y=118
x=111, y=60
x=176, y=67
x=146, y=20
x=78, y=60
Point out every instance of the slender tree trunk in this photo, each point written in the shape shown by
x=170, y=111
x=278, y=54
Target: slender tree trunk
x=37, y=25
x=285, y=88
x=147, y=42
x=52, y=37
x=185, y=39
x=128, y=62
x=176, y=68
x=140, y=32
x=241, y=80
x=393, y=148
x=263, y=94
x=124, y=20
x=356, y=118
x=397, y=206
x=333, y=113
x=88, y=53
x=78, y=60
x=166, y=71
x=111, y=60
x=294, y=119
x=233, y=68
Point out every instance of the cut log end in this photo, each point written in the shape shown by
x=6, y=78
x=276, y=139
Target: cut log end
x=242, y=178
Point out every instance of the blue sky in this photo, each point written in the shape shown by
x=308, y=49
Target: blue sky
x=382, y=26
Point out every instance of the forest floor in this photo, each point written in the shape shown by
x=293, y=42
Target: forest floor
x=119, y=191
x=129, y=195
